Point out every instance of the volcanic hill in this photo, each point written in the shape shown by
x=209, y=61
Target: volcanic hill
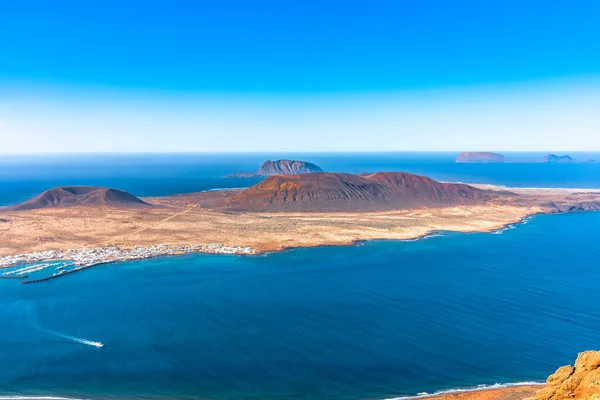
x=331, y=192
x=80, y=196
x=291, y=167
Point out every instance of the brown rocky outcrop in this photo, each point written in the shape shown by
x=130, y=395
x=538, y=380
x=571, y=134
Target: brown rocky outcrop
x=581, y=381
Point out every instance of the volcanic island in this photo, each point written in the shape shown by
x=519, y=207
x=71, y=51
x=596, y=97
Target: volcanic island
x=282, y=211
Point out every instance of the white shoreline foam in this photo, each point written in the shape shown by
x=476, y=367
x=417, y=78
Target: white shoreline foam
x=467, y=389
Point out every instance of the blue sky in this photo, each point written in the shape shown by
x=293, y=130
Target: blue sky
x=299, y=75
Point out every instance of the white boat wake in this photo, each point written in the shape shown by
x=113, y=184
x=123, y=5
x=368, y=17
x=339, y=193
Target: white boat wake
x=75, y=339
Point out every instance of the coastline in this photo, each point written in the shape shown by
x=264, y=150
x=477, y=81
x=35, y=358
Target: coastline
x=492, y=392
x=95, y=235
x=508, y=391
x=61, y=229
x=168, y=251
x=496, y=391
x=21, y=265
x=90, y=257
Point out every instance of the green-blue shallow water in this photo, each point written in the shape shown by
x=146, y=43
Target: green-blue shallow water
x=378, y=320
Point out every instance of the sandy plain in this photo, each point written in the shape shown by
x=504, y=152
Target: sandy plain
x=91, y=227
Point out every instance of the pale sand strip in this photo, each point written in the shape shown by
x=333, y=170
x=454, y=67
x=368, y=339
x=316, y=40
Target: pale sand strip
x=505, y=393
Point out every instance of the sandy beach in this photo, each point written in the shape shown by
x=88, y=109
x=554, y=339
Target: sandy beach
x=505, y=393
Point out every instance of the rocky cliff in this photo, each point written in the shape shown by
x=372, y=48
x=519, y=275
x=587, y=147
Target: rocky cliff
x=581, y=381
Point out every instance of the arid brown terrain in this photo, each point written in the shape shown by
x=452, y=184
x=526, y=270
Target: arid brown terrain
x=90, y=227
x=333, y=192
x=213, y=217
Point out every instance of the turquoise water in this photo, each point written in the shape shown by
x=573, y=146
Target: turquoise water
x=378, y=320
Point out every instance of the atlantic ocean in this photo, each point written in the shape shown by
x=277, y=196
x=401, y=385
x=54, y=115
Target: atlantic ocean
x=378, y=320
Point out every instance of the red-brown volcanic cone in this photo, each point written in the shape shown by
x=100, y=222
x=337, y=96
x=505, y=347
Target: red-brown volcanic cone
x=347, y=192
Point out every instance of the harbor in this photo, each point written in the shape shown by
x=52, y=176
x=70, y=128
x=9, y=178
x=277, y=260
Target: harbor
x=62, y=263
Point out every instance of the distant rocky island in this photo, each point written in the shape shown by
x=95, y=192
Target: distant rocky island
x=553, y=158
x=480, y=157
x=487, y=157
x=80, y=196
x=269, y=168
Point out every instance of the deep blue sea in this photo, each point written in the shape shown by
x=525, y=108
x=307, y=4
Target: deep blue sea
x=379, y=320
